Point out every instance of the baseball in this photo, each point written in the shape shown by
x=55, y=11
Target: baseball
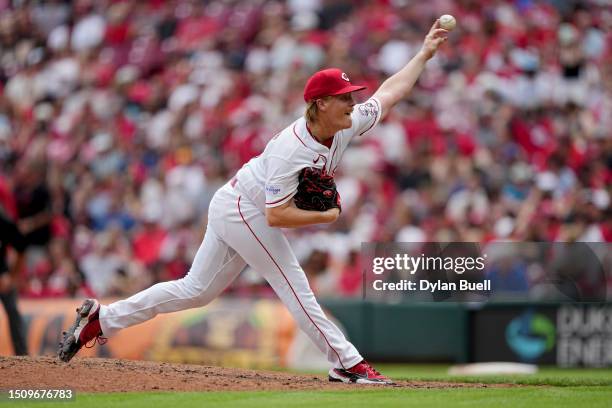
x=447, y=22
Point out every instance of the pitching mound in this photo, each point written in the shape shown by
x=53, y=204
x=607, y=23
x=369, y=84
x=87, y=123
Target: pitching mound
x=105, y=375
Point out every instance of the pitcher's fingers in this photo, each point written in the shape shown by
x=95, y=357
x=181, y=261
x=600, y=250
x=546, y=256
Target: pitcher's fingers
x=435, y=25
x=438, y=32
x=439, y=41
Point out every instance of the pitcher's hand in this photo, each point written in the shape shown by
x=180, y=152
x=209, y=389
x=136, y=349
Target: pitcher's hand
x=433, y=39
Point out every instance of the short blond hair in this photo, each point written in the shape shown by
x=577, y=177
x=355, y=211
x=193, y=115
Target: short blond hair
x=312, y=110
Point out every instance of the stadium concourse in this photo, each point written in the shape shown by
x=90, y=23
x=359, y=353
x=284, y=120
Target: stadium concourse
x=119, y=120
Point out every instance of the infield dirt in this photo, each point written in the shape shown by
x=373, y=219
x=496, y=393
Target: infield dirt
x=107, y=375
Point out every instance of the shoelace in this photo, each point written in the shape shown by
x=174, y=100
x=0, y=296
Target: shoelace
x=371, y=369
x=98, y=339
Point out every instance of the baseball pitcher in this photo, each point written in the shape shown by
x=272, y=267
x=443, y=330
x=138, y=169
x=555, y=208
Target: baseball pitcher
x=289, y=185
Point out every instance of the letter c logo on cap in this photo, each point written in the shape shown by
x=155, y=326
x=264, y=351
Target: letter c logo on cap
x=345, y=77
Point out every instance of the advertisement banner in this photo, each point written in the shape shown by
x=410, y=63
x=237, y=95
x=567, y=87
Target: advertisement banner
x=584, y=335
x=227, y=332
x=520, y=334
x=568, y=335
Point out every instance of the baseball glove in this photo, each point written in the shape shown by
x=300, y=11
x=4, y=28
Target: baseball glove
x=316, y=191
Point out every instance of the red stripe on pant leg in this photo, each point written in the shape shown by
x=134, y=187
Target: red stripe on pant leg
x=288, y=283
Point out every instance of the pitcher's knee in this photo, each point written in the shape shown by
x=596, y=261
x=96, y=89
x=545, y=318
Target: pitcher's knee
x=191, y=287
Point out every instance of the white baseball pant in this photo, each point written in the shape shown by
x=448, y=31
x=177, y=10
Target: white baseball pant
x=238, y=234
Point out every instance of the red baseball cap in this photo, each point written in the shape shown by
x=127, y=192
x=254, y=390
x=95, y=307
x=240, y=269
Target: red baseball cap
x=328, y=82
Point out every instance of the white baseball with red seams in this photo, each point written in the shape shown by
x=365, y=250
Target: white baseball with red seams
x=447, y=22
x=238, y=234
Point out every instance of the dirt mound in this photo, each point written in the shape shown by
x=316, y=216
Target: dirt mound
x=106, y=375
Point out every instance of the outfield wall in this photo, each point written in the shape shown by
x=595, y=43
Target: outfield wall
x=262, y=334
x=568, y=335
x=228, y=332
x=405, y=332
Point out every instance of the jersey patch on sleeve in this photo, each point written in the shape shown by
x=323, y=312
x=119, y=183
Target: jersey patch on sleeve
x=368, y=109
x=273, y=189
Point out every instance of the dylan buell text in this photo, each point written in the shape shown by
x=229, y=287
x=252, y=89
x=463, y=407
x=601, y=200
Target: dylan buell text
x=432, y=286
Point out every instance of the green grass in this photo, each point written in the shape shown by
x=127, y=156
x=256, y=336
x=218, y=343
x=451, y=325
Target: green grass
x=591, y=397
x=553, y=376
x=550, y=387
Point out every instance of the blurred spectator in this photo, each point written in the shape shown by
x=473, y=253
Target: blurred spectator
x=10, y=237
x=33, y=203
x=66, y=279
x=508, y=276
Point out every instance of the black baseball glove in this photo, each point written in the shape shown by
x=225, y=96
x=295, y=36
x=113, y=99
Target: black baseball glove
x=316, y=191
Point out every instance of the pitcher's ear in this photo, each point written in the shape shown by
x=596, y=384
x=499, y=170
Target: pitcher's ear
x=322, y=102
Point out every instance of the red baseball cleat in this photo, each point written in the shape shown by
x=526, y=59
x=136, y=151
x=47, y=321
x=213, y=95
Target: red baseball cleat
x=85, y=329
x=362, y=373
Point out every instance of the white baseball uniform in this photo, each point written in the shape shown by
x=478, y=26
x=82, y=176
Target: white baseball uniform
x=238, y=234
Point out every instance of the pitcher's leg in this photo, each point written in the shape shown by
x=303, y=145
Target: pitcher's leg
x=215, y=266
x=267, y=250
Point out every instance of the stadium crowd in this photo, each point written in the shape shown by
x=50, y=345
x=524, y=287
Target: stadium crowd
x=120, y=119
